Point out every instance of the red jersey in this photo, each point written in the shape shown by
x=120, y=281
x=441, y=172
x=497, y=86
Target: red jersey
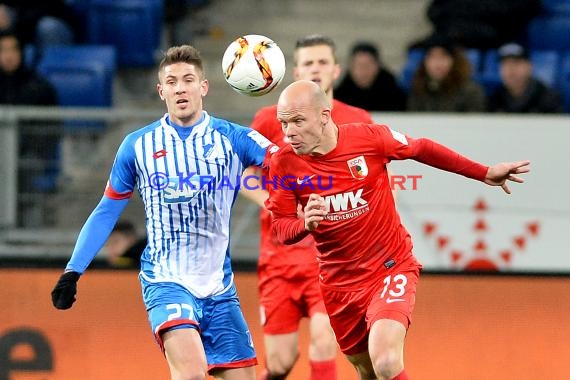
x=362, y=231
x=273, y=253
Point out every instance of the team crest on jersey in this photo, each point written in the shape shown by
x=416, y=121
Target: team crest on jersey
x=208, y=150
x=358, y=168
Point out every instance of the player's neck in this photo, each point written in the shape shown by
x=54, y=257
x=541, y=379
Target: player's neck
x=186, y=122
x=330, y=97
x=329, y=140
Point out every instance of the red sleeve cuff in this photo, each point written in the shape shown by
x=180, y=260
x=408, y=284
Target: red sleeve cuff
x=289, y=230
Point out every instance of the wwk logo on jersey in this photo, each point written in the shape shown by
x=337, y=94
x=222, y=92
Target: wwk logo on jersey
x=358, y=168
x=346, y=205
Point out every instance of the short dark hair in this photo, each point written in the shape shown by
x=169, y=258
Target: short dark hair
x=365, y=47
x=443, y=42
x=316, y=40
x=185, y=54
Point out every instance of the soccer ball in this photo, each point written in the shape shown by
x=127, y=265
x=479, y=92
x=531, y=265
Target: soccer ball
x=253, y=65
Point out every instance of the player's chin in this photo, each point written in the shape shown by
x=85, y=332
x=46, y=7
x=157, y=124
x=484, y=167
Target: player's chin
x=298, y=149
x=184, y=112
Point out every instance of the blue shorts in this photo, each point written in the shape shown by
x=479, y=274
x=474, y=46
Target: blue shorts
x=219, y=320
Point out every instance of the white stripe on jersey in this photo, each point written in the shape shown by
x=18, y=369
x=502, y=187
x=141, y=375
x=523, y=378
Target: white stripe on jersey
x=188, y=226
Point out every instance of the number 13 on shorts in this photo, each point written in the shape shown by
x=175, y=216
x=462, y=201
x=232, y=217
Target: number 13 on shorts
x=395, y=296
x=394, y=289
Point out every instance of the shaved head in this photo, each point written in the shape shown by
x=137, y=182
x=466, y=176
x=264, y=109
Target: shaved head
x=304, y=94
x=304, y=112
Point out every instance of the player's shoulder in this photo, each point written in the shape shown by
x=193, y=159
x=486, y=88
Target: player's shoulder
x=364, y=131
x=227, y=127
x=284, y=155
x=239, y=135
x=267, y=111
x=285, y=151
x=265, y=118
x=346, y=111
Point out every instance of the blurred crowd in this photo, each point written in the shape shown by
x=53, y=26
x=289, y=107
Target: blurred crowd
x=476, y=59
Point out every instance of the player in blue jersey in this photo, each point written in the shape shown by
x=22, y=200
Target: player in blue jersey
x=184, y=167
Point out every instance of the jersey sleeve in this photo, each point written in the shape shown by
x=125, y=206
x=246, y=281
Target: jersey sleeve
x=122, y=179
x=392, y=144
x=252, y=148
x=282, y=203
x=397, y=146
x=100, y=223
x=262, y=119
x=95, y=233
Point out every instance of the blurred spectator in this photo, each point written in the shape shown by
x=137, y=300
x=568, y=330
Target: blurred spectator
x=38, y=141
x=519, y=91
x=124, y=247
x=480, y=24
x=443, y=82
x=18, y=84
x=40, y=23
x=368, y=84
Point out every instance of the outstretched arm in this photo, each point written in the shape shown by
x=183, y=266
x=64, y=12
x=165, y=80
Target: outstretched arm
x=499, y=174
x=93, y=235
x=439, y=156
x=252, y=187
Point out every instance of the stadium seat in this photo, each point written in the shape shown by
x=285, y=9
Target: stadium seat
x=82, y=74
x=132, y=26
x=488, y=76
x=545, y=67
x=474, y=57
x=564, y=80
x=549, y=33
x=413, y=61
x=556, y=7
x=80, y=10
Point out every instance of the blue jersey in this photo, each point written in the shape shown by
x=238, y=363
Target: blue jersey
x=188, y=179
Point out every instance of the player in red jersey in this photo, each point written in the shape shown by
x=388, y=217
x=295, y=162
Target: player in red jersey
x=368, y=274
x=287, y=274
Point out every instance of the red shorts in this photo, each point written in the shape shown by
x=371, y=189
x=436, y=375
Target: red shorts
x=352, y=312
x=285, y=301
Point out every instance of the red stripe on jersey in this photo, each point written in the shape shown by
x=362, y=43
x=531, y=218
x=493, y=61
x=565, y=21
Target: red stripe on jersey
x=111, y=193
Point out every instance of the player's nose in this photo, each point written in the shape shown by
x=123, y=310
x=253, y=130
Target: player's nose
x=180, y=88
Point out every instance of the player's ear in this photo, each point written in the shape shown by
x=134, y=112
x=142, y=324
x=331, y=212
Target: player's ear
x=325, y=116
x=336, y=72
x=204, y=87
x=295, y=73
x=159, y=90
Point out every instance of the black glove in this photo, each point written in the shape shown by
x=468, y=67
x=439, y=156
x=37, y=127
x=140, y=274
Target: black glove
x=63, y=294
